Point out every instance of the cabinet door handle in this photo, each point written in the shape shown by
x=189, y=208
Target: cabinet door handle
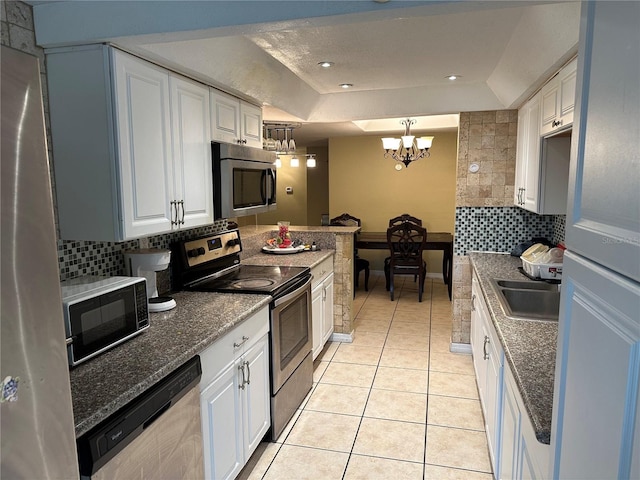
x=248, y=372
x=244, y=140
x=473, y=302
x=238, y=345
x=484, y=348
x=241, y=368
x=182, y=210
x=174, y=214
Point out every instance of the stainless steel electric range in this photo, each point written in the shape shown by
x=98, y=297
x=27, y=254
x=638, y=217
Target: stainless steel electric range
x=212, y=264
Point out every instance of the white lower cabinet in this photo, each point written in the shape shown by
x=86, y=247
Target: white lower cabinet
x=514, y=450
x=522, y=455
x=322, y=305
x=235, y=397
x=488, y=361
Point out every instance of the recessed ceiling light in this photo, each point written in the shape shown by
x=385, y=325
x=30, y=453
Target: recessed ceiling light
x=325, y=64
x=453, y=76
x=346, y=85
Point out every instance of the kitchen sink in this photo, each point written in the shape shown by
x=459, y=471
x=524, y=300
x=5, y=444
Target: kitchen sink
x=528, y=300
x=526, y=285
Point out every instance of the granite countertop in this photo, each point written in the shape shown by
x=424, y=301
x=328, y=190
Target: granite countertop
x=529, y=346
x=249, y=230
x=109, y=381
x=302, y=259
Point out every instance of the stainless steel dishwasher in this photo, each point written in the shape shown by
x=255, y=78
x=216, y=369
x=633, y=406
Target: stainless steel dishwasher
x=157, y=435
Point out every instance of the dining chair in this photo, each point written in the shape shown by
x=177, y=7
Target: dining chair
x=405, y=217
x=346, y=220
x=406, y=243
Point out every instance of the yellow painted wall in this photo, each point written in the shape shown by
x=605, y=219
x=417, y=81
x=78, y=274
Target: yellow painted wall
x=365, y=184
x=318, y=186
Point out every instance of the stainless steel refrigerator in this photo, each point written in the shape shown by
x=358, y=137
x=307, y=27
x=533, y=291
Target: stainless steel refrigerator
x=36, y=417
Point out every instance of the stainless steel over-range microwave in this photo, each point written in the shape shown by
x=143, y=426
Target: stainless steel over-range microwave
x=244, y=180
x=102, y=312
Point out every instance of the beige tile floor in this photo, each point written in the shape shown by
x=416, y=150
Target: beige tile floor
x=394, y=404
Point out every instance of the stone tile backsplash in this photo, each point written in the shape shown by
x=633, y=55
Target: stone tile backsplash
x=499, y=229
x=77, y=258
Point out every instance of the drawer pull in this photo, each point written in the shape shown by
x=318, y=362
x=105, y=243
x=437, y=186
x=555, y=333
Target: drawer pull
x=238, y=345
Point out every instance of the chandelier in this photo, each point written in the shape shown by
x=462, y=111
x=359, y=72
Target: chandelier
x=408, y=148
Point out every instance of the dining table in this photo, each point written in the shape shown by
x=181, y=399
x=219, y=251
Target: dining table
x=435, y=241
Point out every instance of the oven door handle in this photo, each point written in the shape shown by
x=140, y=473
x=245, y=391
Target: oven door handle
x=295, y=293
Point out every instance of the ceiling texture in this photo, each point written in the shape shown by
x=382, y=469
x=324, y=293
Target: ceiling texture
x=396, y=54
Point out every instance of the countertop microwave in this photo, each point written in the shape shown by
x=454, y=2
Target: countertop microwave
x=244, y=180
x=102, y=312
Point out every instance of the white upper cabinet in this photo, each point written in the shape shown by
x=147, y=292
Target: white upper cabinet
x=143, y=130
x=527, y=185
x=542, y=164
x=130, y=144
x=191, y=152
x=558, y=100
x=234, y=120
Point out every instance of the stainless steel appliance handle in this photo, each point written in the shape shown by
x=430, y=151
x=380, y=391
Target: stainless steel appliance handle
x=272, y=186
x=293, y=294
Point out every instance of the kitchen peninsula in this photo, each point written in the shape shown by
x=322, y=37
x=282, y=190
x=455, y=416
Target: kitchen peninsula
x=339, y=239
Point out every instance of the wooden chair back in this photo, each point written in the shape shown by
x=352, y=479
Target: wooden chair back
x=405, y=217
x=345, y=220
x=406, y=243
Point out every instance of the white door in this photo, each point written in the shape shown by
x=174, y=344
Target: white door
x=532, y=170
x=145, y=150
x=257, y=396
x=327, y=314
x=494, y=399
x=317, y=319
x=510, y=431
x=603, y=221
x=225, y=117
x=521, y=157
x=251, y=125
x=567, y=93
x=220, y=408
x=597, y=369
x=192, y=152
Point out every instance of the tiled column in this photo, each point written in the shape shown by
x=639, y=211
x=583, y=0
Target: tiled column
x=487, y=139
x=343, y=285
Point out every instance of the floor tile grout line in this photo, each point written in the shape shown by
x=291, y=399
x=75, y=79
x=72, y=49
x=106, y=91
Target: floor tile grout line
x=355, y=438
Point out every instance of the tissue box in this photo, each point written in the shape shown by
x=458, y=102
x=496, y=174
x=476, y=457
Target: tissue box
x=546, y=271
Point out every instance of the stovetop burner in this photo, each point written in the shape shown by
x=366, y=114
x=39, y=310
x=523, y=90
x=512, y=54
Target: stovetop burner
x=251, y=283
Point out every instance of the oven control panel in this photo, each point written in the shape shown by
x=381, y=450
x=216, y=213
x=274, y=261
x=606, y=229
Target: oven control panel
x=205, y=249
